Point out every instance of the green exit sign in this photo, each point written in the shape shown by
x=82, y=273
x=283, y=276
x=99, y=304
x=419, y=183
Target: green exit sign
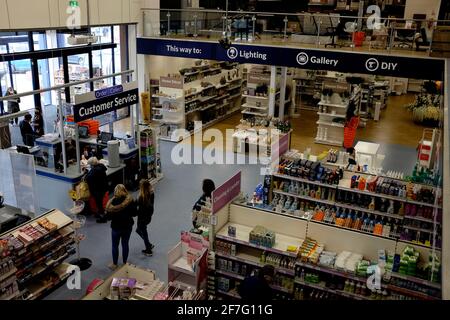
x=74, y=4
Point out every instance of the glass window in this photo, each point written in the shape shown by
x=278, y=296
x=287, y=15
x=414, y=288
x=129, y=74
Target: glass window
x=117, y=56
x=78, y=70
x=22, y=81
x=12, y=42
x=40, y=41
x=103, y=65
x=104, y=34
x=5, y=81
x=50, y=74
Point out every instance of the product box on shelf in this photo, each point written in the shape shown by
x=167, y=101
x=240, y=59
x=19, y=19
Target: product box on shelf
x=262, y=237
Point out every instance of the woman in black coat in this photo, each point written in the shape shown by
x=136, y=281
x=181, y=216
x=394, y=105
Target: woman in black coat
x=120, y=210
x=145, y=203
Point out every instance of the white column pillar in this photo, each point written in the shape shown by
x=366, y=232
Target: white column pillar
x=272, y=90
x=283, y=92
x=446, y=190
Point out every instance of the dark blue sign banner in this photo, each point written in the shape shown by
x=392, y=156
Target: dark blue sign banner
x=312, y=59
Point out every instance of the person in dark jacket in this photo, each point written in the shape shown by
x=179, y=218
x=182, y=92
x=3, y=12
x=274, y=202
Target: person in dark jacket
x=27, y=131
x=38, y=123
x=13, y=104
x=257, y=287
x=120, y=210
x=97, y=181
x=208, y=187
x=145, y=209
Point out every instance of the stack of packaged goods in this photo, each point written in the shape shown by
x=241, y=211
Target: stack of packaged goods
x=348, y=261
x=310, y=251
x=408, y=261
x=261, y=236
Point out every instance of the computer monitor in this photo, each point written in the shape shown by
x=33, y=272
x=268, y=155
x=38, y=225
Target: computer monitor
x=83, y=131
x=23, y=149
x=105, y=137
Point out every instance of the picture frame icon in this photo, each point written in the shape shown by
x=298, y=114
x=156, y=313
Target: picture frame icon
x=302, y=58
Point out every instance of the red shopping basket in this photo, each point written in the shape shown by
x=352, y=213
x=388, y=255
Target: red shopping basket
x=350, y=132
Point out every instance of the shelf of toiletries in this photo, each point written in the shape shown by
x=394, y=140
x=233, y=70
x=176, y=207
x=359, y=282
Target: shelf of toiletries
x=352, y=211
x=387, y=188
x=230, y=262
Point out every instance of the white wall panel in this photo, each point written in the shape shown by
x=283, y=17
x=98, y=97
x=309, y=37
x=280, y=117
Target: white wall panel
x=4, y=18
x=110, y=11
x=428, y=7
x=125, y=11
x=28, y=14
x=94, y=12
x=135, y=10
x=53, y=6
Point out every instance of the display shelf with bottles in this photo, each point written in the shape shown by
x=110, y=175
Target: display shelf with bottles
x=331, y=267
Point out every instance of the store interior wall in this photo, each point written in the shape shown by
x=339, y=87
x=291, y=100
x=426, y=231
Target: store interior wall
x=22, y=14
x=428, y=7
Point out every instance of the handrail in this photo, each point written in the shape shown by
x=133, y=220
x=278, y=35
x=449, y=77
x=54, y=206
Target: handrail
x=299, y=14
x=66, y=85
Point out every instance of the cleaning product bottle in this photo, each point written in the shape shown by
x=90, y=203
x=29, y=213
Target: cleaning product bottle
x=371, y=224
x=318, y=193
x=372, y=204
x=387, y=228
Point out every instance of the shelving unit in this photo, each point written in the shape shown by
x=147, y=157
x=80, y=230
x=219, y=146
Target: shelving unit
x=206, y=93
x=38, y=262
x=332, y=202
x=329, y=131
x=150, y=162
x=244, y=218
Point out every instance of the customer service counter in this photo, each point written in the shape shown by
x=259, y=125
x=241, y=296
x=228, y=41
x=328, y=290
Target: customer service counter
x=54, y=187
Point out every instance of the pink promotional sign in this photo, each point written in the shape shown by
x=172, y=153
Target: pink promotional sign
x=226, y=193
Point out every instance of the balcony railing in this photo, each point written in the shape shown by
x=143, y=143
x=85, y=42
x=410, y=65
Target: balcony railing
x=309, y=30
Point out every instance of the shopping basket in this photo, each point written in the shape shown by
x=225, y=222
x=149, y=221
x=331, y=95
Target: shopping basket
x=350, y=132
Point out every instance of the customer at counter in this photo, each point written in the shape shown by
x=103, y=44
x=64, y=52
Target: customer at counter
x=97, y=181
x=26, y=130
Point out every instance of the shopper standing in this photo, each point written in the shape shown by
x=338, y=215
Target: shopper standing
x=120, y=210
x=13, y=104
x=208, y=187
x=257, y=287
x=97, y=181
x=145, y=209
x=38, y=123
x=27, y=131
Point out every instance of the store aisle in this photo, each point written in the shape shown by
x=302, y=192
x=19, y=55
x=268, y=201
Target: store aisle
x=175, y=196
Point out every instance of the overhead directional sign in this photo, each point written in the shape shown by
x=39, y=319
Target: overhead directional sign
x=313, y=59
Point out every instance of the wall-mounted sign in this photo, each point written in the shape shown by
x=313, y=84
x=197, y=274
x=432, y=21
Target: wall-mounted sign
x=258, y=78
x=340, y=61
x=93, y=104
x=170, y=82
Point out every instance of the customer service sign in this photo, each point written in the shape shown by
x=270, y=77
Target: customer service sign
x=93, y=104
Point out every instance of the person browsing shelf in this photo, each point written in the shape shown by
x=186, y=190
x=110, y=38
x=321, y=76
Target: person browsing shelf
x=208, y=187
x=257, y=287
